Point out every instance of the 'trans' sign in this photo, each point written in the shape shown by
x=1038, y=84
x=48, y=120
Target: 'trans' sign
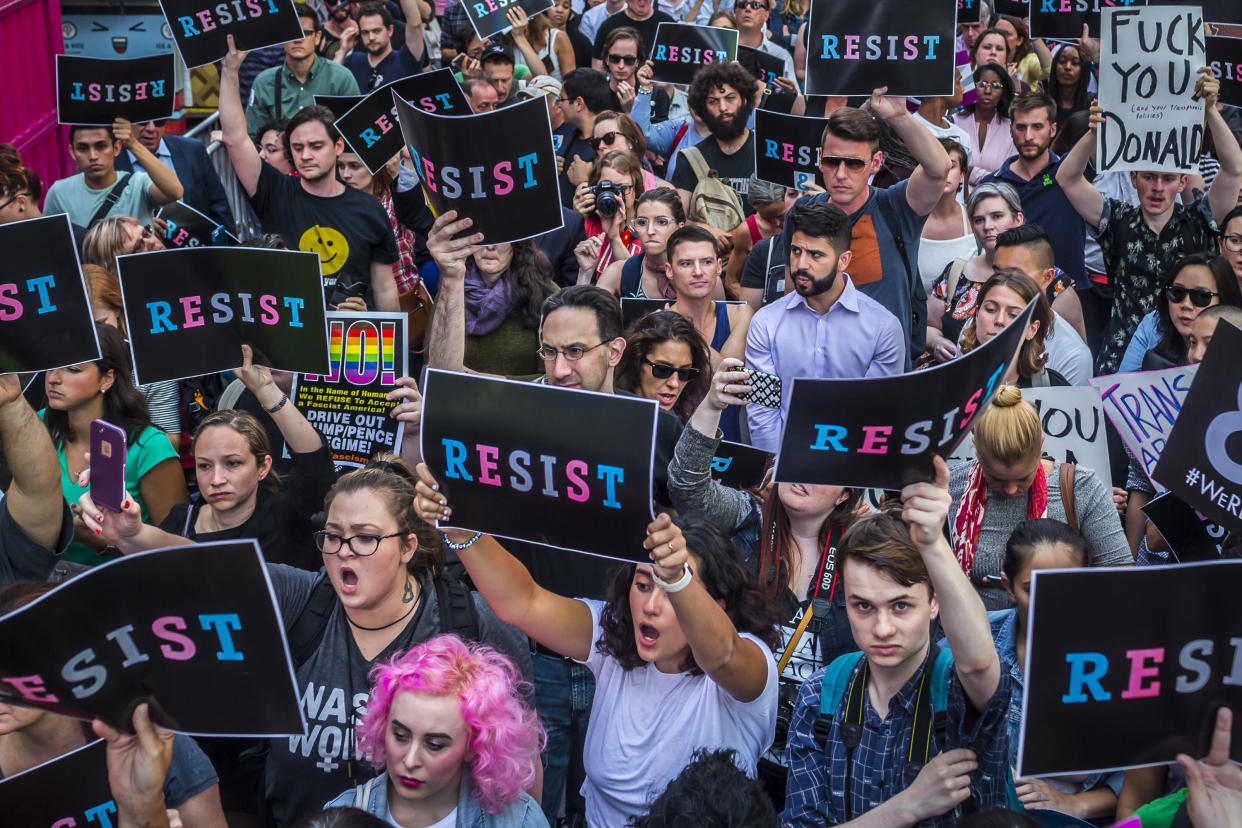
x=1149, y=63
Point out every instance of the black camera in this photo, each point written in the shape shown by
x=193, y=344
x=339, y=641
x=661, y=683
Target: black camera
x=608, y=198
x=344, y=289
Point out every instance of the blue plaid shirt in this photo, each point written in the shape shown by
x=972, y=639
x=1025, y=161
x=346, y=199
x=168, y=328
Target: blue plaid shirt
x=815, y=794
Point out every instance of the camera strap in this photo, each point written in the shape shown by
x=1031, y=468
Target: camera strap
x=819, y=606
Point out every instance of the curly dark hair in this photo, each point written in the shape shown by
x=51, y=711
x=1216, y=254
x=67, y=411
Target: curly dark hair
x=723, y=574
x=645, y=334
x=716, y=76
x=531, y=274
x=123, y=404
x=710, y=792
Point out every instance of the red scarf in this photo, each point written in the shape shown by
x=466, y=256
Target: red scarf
x=971, y=511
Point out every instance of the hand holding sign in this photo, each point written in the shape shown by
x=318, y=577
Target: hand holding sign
x=669, y=554
x=137, y=766
x=925, y=507
x=448, y=247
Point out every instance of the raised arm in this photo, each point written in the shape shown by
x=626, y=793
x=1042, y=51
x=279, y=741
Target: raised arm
x=165, y=186
x=408, y=410
x=300, y=436
x=925, y=506
x=516, y=16
x=242, y=152
x=1223, y=194
x=927, y=181
x=737, y=664
x=413, y=10
x=34, y=497
x=446, y=339
x=1071, y=174
x=558, y=623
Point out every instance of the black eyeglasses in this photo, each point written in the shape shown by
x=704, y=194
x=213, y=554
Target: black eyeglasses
x=831, y=162
x=146, y=234
x=573, y=353
x=659, y=370
x=1199, y=297
x=628, y=60
x=12, y=198
x=750, y=4
x=1232, y=242
x=330, y=543
x=605, y=140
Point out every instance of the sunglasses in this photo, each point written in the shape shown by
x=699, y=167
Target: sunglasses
x=661, y=371
x=628, y=60
x=831, y=162
x=138, y=242
x=1199, y=297
x=994, y=86
x=605, y=140
x=750, y=4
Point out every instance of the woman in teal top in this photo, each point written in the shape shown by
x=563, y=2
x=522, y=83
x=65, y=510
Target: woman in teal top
x=104, y=390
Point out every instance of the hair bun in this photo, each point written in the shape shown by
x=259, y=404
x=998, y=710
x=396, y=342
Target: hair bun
x=1006, y=396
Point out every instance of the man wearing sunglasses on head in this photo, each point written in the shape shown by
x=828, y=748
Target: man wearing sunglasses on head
x=187, y=158
x=1141, y=243
x=886, y=223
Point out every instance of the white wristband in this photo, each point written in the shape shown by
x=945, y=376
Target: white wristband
x=676, y=586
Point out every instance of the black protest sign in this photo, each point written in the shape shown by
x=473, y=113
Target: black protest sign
x=1013, y=8
x=371, y=127
x=339, y=104
x=853, y=48
x=682, y=49
x=1127, y=666
x=738, y=465
x=67, y=791
x=45, y=310
x=200, y=27
x=787, y=149
x=186, y=227
x=969, y=11
x=635, y=308
x=1149, y=59
x=1200, y=462
x=194, y=629
x=366, y=354
x=848, y=432
x=98, y=91
x=1064, y=19
x=1228, y=12
x=222, y=298
x=761, y=65
x=525, y=461
x=488, y=16
x=1224, y=55
x=496, y=168
x=1189, y=535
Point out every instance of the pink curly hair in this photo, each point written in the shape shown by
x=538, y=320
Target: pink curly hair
x=505, y=735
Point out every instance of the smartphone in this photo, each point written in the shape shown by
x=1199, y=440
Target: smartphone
x=765, y=389
x=107, y=465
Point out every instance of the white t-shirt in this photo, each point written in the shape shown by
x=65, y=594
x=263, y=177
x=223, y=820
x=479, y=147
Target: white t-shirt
x=645, y=726
x=592, y=18
x=1068, y=355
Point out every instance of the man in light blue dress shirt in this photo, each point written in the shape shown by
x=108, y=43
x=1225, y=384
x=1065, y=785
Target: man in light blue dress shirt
x=826, y=328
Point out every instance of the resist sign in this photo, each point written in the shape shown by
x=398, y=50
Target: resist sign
x=200, y=27
x=1127, y=666
x=1149, y=60
x=514, y=460
x=95, y=91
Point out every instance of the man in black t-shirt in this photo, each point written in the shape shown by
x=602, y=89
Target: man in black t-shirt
x=637, y=14
x=722, y=96
x=315, y=212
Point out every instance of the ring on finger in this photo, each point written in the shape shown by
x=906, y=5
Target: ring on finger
x=670, y=546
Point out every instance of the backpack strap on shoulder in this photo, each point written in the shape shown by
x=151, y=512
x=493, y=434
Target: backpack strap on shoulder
x=697, y=162
x=832, y=689
x=1067, y=494
x=458, y=614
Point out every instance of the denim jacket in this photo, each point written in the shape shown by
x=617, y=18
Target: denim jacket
x=521, y=813
x=1005, y=633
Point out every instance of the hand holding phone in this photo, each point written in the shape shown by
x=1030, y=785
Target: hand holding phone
x=765, y=389
x=107, y=465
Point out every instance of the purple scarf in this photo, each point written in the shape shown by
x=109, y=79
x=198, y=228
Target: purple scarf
x=487, y=306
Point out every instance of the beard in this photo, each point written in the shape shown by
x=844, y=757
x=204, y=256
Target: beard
x=731, y=129
x=1028, y=151
x=817, y=286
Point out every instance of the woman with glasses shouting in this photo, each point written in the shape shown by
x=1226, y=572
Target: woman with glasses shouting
x=379, y=593
x=986, y=121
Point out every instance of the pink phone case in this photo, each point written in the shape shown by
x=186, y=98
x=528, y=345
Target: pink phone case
x=107, y=465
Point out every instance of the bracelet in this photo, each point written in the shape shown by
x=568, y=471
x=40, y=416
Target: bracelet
x=675, y=586
x=457, y=547
x=647, y=91
x=284, y=398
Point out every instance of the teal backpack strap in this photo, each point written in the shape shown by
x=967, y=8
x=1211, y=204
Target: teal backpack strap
x=832, y=689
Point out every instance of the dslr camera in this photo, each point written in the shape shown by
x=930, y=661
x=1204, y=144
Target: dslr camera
x=608, y=198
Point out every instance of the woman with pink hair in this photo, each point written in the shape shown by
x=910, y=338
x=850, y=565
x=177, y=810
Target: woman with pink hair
x=447, y=723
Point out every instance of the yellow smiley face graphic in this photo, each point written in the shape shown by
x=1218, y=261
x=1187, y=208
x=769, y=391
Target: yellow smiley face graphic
x=331, y=246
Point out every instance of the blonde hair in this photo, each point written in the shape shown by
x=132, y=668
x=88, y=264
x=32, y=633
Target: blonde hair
x=1008, y=432
x=107, y=240
x=105, y=291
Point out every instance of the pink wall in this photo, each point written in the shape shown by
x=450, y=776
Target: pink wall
x=30, y=39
